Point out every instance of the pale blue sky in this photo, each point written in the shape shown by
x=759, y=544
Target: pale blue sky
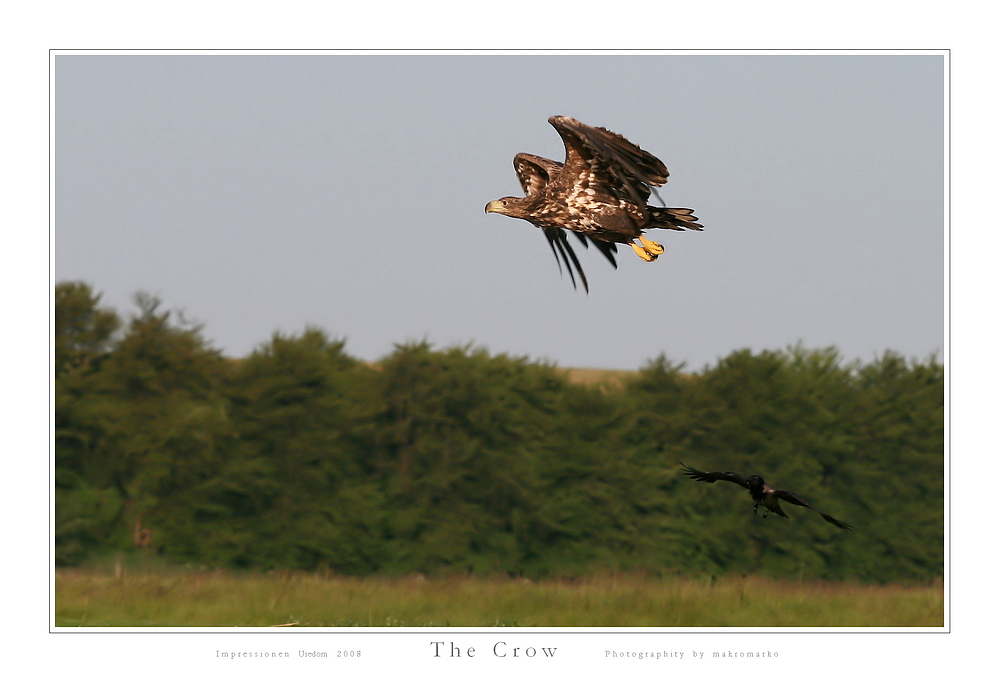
x=263, y=193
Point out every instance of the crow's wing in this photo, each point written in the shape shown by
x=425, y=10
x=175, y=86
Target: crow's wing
x=796, y=499
x=712, y=477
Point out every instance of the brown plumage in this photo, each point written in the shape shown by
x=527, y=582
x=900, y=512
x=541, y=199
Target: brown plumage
x=762, y=493
x=599, y=193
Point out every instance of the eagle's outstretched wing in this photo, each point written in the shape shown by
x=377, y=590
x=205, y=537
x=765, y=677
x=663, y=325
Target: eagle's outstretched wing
x=796, y=499
x=712, y=477
x=628, y=171
x=534, y=172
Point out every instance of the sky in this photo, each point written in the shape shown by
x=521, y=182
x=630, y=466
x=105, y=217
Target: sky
x=269, y=193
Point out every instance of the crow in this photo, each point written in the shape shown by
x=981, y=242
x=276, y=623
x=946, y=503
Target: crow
x=762, y=493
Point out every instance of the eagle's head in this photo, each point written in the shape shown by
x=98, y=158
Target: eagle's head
x=755, y=483
x=505, y=205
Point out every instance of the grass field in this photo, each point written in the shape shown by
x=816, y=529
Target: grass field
x=144, y=599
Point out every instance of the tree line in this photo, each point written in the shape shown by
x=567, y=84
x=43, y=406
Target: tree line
x=457, y=460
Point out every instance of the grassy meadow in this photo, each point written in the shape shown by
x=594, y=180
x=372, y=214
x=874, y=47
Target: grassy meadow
x=219, y=599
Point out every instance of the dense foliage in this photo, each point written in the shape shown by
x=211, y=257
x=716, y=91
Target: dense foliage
x=455, y=460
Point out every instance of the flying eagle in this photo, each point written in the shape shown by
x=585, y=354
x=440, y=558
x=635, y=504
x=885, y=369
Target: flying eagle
x=599, y=194
x=762, y=493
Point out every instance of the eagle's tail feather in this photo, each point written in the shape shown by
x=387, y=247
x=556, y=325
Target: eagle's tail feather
x=672, y=219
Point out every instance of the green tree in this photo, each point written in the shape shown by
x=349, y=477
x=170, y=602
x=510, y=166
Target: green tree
x=804, y=420
x=145, y=425
x=898, y=467
x=455, y=460
x=295, y=490
x=458, y=438
x=83, y=337
x=83, y=332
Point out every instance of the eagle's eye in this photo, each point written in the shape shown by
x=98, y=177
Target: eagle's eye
x=503, y=202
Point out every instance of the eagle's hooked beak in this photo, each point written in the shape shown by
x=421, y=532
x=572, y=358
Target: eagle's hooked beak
x=493, y=207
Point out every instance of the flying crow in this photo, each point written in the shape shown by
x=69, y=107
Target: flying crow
x=762, y=493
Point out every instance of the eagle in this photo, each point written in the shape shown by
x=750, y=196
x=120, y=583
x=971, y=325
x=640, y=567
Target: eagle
x=599, y=194
x=762, y=493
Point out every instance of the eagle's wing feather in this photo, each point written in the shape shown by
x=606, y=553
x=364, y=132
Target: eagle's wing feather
x=796, y=499
x=559, y=243
x=712, y=477
x=534, y=172
x=609, y=249
x=627, y=171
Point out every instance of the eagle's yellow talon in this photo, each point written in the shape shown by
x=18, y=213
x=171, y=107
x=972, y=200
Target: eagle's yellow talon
x=642, y=253
x=650, y=246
